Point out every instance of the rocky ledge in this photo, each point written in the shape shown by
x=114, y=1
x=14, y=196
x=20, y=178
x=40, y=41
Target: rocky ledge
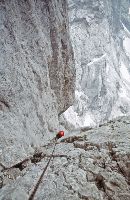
x=94, y=165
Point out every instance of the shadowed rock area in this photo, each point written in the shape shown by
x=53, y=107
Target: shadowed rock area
x=37, y=75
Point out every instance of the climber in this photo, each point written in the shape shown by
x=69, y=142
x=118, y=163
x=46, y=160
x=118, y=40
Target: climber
x=59, y=134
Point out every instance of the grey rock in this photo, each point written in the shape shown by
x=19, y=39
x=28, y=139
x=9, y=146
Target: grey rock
x=84, y=172
x=37, y=74
x=37, y=85
x=100, y=34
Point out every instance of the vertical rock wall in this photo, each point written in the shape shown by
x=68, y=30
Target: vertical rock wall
x=101, y=39
x=36, y=74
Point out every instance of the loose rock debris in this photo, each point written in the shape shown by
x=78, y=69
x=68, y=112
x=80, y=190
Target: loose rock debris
x=94, y=165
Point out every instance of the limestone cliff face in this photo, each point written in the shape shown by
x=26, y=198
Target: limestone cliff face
x=37, y=84
x=61, y=66
x=101, y=39
x=36, y=74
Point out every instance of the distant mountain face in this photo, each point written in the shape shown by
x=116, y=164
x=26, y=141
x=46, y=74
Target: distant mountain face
x=100, y=34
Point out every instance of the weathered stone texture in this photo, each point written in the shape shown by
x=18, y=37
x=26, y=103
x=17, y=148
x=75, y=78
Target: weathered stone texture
x=100, y=34
x=36, y=74
x=94, y=165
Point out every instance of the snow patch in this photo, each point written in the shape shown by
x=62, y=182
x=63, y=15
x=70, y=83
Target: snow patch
x=73, y=118
x=88, y=121
x=124, y=92
x=78, y=94
x=96, y=60
x=125, y=73
x=126, y=30
x=126, y=45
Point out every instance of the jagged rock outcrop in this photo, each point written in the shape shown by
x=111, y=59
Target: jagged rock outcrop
x=94, y=165
x=100, y=34
x=37, y=75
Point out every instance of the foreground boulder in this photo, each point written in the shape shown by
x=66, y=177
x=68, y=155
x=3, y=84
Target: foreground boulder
x=94, y=165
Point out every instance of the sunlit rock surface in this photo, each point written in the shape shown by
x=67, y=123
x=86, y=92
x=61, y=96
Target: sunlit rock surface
x=94, y=165
x=100, y=34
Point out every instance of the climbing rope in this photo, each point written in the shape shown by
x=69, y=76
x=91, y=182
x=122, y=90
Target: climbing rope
x=32, y=195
